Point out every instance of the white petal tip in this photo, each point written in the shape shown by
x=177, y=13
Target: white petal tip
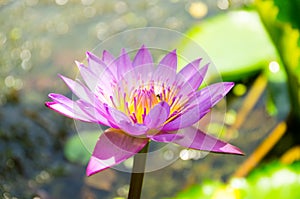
x=95, y=165
x=228, y=148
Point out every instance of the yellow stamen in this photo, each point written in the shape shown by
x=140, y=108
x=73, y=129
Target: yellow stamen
x=137, y=102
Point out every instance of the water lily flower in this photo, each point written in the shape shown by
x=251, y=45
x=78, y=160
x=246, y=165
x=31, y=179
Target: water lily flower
x=141, y=101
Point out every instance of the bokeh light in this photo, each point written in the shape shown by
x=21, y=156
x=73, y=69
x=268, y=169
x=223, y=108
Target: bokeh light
x=274, y=67
x=198, y=9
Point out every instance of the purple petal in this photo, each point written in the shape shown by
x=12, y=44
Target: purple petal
x=79, y=90
x=189, y=70
x=143, y=65
x=124, y=64
x=211, y=94
x=96, y=64
x=194, y=81
x=166, y=137
x=199, y=105
x=170, y=60
x=187, y=118
x=113, y=147
x=114, y=117
x=108, y=60
x=67, y=107
x=88, y=76
x=96, y=81
x=133, y=129
x=143, y=57
x=99, y=116
x=82, y=92
x=66, y=111
x=157, y=115
x=123, y=122
x=102, y=72
x=142, y=73
x=79, y=109
x=196, y=139
x=61, y=99
x=166, y=69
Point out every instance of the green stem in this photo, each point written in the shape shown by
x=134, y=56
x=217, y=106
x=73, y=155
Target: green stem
x=137, y=175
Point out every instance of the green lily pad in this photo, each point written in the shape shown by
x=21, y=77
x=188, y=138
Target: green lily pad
x=236, y=42
x=79, y=147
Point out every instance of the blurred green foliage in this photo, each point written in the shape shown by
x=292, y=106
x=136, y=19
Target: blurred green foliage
x=281, y=19
x=274, y=180
x=289, y=12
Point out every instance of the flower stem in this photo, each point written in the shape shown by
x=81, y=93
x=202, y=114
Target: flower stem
x=137, y=175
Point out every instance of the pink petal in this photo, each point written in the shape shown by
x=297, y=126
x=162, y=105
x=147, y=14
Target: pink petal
x=112, y=148
x=196, y=139
x=121, y=120
x=157, y=115
x=166, y=69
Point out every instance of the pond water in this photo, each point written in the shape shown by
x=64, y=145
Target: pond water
x=38, y=40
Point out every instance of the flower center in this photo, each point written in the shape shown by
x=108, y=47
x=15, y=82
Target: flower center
x=140, y=104
x=137, y=102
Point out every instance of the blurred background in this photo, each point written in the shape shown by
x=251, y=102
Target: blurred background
x=254, y=43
